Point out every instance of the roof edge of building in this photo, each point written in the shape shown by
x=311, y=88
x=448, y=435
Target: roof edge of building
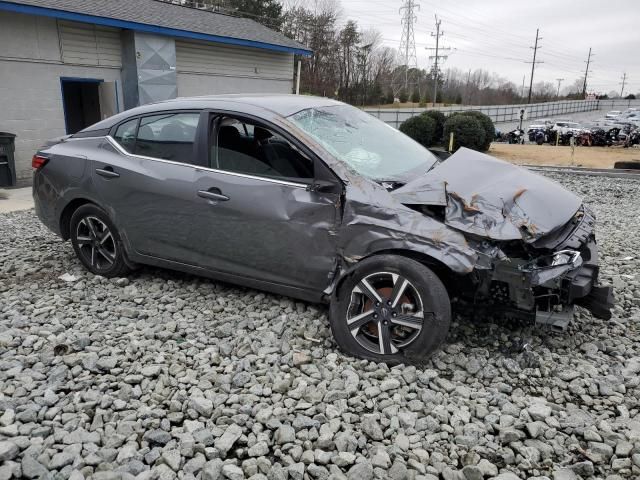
x=145, y=28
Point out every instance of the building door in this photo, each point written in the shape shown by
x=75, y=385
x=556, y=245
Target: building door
x=109, y=105
x=81, y=101
x=87, y=101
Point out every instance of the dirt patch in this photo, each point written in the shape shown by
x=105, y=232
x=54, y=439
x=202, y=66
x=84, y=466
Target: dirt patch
x=593, y=157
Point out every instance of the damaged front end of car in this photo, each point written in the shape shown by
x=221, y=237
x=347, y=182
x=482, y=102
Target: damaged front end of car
x=543, y=280
x=536, y=246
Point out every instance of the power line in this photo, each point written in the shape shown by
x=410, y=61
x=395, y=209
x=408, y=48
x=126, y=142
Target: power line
x=533, y=63
x=437, y=57
x=408, y=41
x=586, y=73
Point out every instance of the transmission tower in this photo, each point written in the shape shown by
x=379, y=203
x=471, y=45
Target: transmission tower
x=407, y=48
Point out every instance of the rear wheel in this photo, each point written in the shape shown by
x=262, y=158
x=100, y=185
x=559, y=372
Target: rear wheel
x=96, y=242
x=391, y=309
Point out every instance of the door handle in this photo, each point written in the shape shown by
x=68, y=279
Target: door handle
x=107, y=172
x=213, y=194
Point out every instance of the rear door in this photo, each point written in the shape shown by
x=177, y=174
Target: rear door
x=146, y=182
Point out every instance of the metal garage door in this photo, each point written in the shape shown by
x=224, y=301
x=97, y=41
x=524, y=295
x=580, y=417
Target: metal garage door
x=85, y=44
x=226, y=60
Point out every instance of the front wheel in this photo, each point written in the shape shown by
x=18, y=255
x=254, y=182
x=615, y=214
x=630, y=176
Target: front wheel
x=96, y=242
x=390, y=309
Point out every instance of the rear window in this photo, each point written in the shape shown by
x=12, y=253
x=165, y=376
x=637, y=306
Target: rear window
x=169, y=136
x=126, y=135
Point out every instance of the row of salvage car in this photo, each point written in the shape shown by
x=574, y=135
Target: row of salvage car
x=615, y=129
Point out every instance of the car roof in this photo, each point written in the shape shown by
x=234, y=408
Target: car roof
x=282, y=105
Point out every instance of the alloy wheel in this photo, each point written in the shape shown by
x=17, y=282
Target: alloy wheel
x=385, y=313
x=96, y=243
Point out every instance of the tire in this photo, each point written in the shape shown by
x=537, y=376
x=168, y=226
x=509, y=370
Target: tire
x=96, y=242
x=413, y=339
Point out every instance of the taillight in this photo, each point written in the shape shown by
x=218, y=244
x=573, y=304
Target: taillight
x=38, y=161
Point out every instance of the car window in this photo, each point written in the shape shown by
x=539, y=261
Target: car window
x=168, y=136
x=242, y=147
x=126, y=135
x=365, y=144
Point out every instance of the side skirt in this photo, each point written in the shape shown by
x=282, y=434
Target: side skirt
x=279, y=289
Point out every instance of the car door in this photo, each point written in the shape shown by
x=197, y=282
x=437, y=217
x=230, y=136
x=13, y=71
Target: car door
x=144, y=178
x=259, y=213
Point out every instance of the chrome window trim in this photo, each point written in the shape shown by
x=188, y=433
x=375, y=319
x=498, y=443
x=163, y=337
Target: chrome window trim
x=121, y=150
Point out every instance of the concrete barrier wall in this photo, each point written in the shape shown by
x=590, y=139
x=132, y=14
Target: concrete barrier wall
x=507, y=113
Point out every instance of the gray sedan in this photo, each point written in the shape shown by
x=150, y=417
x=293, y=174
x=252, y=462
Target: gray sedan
x=315, y=199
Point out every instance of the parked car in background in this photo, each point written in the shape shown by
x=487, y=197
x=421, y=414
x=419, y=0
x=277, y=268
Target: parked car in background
x=613, y=114
x=632, y=117
x=318, y=200
x=566, y=126
x=540, y=124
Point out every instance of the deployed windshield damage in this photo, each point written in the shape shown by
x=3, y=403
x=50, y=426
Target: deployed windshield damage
x=367, y=145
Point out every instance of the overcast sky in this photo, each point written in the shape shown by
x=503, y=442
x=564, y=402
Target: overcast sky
x=496, y=35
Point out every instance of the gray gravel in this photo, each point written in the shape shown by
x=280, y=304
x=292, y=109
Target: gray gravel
x=163, y=375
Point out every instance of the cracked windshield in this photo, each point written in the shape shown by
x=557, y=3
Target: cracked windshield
x=364, y=143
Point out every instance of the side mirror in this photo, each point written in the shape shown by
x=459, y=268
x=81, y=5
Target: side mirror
x=322, y=186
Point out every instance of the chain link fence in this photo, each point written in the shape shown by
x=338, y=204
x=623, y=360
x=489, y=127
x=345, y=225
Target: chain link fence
x=498, y=113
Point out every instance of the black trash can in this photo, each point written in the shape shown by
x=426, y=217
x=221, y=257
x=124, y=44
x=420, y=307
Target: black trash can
x=7, y=159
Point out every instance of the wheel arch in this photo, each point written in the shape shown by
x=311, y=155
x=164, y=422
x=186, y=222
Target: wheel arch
x=67, y=212
x=446, y=275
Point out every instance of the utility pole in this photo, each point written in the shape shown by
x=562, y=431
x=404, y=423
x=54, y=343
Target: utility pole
x=559, y=80
x=436, y=57
x=586, y=73
x=466, y=89
x=624, y=79
x=522, y=91
x=533, y=63
x=407, y=48
x=365, y=50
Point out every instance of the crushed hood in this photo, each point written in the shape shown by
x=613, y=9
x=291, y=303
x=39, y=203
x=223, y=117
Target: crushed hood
x=492, y=198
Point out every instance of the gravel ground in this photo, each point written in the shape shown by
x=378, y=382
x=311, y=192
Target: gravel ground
x=163, y=375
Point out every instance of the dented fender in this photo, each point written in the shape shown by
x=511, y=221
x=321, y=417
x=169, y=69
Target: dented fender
x=373, y=221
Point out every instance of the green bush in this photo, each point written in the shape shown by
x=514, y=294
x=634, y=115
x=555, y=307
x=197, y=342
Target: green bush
x=403, y=96
x=487, y=124
x=421, y=128
x=467, y=132
x=439, y=118
x=415, y=96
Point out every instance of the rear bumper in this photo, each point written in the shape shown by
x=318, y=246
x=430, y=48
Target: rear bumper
x=45, y=201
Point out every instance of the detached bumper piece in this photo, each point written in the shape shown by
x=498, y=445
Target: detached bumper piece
x=599, y=302
x=583, y=288
x=551, y=285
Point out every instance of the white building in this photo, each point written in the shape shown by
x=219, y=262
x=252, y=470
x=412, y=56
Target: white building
x=65, y=64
